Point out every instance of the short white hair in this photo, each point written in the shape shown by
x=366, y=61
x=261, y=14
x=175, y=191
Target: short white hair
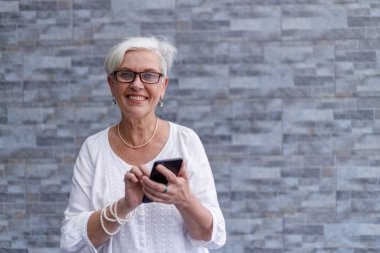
x=160, y=45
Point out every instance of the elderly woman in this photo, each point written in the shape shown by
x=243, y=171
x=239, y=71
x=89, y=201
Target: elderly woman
x=111, y=175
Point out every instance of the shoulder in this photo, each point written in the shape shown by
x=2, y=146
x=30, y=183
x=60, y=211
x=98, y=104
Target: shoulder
x=99, y=136
x=185, y=132
x=187, y=137
x=95, y=141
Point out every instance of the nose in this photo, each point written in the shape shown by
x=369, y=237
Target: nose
x=137, y=84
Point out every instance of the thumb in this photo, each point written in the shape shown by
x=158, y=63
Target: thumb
x=144, y=170
x=183, y=171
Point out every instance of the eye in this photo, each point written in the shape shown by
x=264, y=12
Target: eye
x=126, y=75
x=149, y=75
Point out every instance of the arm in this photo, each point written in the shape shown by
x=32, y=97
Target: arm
x=198, y=220
x=74, y=228
x=193, y=192
x=125, y=207
x=96, y=233
x=81, y=230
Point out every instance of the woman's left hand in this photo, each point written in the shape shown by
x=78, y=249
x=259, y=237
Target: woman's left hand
x=197, y=219
x=177, y=190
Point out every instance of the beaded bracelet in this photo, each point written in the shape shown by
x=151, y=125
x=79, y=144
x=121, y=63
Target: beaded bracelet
x=103, y=226
x=105, y=214
x=121, y=221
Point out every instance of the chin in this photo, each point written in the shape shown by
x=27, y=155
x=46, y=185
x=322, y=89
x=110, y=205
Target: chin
x=136, y=114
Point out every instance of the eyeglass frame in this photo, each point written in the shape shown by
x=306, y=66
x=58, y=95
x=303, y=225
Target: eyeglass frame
x=139, y=74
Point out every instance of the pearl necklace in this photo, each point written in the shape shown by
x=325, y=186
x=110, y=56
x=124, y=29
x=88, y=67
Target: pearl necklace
x=138, y=146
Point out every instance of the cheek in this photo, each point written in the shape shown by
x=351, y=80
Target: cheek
x=156, y=92
x=119, y=89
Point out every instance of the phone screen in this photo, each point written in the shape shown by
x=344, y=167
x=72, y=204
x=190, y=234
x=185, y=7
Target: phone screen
x=173, y=165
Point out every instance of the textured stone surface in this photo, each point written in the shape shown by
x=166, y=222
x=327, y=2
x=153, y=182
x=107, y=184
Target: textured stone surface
x=285, y=96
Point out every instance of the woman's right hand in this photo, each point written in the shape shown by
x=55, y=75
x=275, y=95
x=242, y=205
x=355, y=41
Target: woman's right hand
x=133, y=189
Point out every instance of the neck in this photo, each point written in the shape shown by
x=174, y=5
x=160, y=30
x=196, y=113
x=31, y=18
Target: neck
x=137, y=134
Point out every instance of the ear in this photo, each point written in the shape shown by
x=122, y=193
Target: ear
x=111, y=85
x=164, y=86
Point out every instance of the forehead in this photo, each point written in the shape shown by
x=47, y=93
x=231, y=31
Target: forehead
x=141, y=59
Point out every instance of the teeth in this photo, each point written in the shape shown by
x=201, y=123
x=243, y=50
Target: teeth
x=136, y=97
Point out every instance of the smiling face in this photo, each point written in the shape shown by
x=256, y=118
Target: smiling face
x=137, y=99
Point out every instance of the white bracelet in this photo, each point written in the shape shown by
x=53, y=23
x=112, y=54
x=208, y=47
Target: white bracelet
x=121, y=221
x=105, y=214
x=103, y=226
x=112, y=211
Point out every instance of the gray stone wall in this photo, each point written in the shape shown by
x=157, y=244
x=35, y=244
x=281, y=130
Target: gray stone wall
x=285, y=95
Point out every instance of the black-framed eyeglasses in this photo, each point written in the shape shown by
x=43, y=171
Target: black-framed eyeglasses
x=127, y=76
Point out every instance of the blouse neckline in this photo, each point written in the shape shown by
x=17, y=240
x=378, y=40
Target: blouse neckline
x=163, y=151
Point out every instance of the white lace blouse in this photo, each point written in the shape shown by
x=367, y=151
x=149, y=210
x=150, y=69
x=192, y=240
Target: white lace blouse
x=98, y=181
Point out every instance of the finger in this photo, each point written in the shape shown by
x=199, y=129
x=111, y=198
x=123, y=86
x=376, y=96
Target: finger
x=151, y=195
x=154, y=191
x=130, y=177
x=158, y=196
x=183, y=171
x=144, y=170
x=168, y=174
x=152, y=185
x=137, y=171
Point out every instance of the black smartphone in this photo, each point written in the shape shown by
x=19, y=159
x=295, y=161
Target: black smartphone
x=173, y=165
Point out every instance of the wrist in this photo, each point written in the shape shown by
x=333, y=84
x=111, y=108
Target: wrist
x=187, y=203
x=123, y=207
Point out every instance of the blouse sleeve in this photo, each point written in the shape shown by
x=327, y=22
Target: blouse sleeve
x=74, y=228
x=203, y=187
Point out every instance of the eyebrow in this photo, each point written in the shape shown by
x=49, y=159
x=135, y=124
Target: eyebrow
x=144, y=70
